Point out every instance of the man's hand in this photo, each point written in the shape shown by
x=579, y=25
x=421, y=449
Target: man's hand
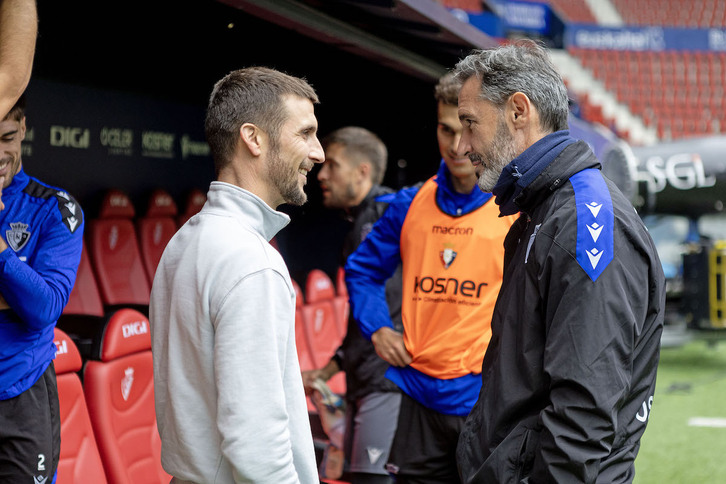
x=308, y=377
x=389, y=346
x=325, y=373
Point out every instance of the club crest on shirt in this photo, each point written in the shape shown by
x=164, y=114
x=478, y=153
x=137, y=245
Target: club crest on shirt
x=17, y=236
x=447, y=256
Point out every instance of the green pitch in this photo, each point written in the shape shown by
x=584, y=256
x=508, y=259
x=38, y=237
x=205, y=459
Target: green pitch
x=685, y=441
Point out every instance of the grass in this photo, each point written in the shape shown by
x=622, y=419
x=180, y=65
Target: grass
x=691, y=383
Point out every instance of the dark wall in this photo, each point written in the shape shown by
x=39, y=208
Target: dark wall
x=152, y=64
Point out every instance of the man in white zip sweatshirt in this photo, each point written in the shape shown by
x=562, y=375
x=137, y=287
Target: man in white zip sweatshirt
x=230, y=403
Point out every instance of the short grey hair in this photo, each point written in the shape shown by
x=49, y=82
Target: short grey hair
x=522, y=66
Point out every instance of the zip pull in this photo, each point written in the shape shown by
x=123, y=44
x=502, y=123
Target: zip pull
x=531, y=241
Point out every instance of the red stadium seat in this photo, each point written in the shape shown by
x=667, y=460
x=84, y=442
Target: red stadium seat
x=83, y=316
x=195, y=201
x=303, y=347
x=340, y=288
x=80, y=461
x=84, y=298
x=321, y=321
x=115, y=255
x=155, y=230
x=119, y=389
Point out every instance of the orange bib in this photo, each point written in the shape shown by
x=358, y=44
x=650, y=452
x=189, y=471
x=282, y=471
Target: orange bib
x=452, y=272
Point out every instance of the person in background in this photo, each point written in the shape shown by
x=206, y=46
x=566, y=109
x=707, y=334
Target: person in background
x=448, y=237
x=350, y=179
x=40, y=249
x=18, y=32
x=569, y=375
x=230, y=403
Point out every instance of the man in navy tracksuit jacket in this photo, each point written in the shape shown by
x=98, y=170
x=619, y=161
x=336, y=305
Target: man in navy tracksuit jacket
x=41, y=233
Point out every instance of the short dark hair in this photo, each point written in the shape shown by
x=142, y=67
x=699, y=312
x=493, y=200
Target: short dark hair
x=18, y=110
x=250, y=95
x=361, y=145
x=447, y=89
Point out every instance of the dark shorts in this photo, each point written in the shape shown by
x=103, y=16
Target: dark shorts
x=370, y=425
x=424, y=448
x=30, y=433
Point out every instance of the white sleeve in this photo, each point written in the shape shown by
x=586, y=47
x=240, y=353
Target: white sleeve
x=252, y=330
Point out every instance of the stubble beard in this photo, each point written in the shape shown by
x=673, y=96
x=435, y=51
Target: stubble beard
x=500, y=153
x=285, y=179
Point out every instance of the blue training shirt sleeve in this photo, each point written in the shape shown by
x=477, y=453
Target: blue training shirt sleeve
x=38, y=290
x=373, y=263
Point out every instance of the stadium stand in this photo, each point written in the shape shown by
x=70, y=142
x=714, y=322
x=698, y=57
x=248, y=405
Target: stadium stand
x=115, y=255
x=679, y=94
x=80, y=461
x=119, y=389
x=155, y=229
x=673, y=13
x=576, y=11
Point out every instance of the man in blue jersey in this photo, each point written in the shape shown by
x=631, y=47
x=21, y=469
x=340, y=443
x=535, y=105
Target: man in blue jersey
x=41, y=236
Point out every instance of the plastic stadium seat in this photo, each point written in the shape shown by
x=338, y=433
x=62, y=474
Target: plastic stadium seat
x=340, y=288
x=195, y=201
x=319, y=288
x=115, y=255
x=80, y=461
x=303, y=347
x=155, y=229
x=83, y=316
x=84, y=298
x=321, y=322
x=119, y=389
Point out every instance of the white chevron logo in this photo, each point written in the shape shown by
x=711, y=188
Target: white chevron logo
x=63, y=195
x=594, y=255
x=71, y=207
x=72, y=222
x=595, y=230
x=374, y=454
x=594, y=208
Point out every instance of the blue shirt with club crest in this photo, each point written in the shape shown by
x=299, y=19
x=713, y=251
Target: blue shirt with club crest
x=43, y=228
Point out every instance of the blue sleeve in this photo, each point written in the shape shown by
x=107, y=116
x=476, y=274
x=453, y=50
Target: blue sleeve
x=373, y=263
x=38, y=290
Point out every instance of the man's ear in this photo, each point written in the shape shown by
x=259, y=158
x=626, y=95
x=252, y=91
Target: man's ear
x=364, y=170
x=520, y=109
x=252, y=137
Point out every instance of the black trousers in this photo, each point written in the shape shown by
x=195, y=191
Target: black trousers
x=30, y=433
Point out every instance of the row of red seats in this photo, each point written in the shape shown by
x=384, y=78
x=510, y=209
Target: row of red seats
x=108, y=422
x=683, y=108
x=125, y=250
